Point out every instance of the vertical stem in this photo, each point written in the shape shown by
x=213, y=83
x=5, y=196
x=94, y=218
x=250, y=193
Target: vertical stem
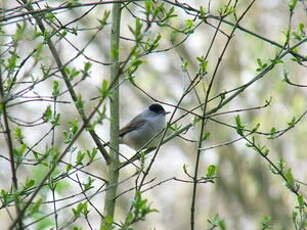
x=203, y=122
x=112, y=171
x=53, y=186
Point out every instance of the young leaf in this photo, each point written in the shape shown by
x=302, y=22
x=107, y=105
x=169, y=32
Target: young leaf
x=266, y=223
x=47, y=115
x=292, y=5
x=18, y=134
x=239, y=125
x=104, y=19
x=104, y=89
x=55, y=88
x=205, y=136
x=211, y=170
x=301, y=202
x=80, y=157
x=290, y=178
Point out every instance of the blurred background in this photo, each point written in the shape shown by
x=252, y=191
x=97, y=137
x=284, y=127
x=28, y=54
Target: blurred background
x=246, y=191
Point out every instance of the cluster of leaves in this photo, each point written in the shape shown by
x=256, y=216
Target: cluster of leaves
x=277, y=168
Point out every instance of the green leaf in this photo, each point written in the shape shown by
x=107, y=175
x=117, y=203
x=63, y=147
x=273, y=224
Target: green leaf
x=301, y=28
x=105, y=88
x=29, y=183
x=205, y=136
x=68, y=167
x=266, y=223
x=256, y=127
x=152, y=44
x=136, y=31
x=107, y=223
x=295, y=50
x=148, y=7
x=184, y=65
x=140, y=208
x=80, y=157
x=89, y=184
x=18, y=152
x=292, y=4
x=91, y=155
x=276, y=61
x=12, y=61
x=104, y=19
x=81, y=209
x=134, y=65
x=273, y=130
x=1, y=108
x=64, y=32
x=86, y=69
x=294, y=217
x=290, y=178
x=129, y=219
x=138, y=26
x=34, y=207
x=265, y=151
x=73, y=129
x=203, y=65
x=226, y=10
x=202, y=11
x=50, y=16
x=239, y=125
x=189, y=23
x=19, y=34
x=56, y=120
x=55, y=88
x=80, y=103
x=301, y=202
x=85, y=210
x=52, y=154
x=6, y=197
x=216, y=221
x=74, y=126
x=77, y=211
x=76, y=228
x=74, y=73
x=18, y=134
x=292, y=122
x=261, y=65
x=281, y=165
x=175, y=127
x=114, y=52
x=47, y=115
x=211, y=170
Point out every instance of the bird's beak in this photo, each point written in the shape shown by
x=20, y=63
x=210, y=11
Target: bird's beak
x=165, y=113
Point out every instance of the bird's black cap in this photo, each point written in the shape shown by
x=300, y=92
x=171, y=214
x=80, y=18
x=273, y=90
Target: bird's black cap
x=157, y=108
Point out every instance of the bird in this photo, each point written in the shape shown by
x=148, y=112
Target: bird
x=142, y=128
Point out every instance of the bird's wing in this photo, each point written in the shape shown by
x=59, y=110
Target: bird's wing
x=132, y=125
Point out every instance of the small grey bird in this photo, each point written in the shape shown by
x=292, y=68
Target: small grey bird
x=144, y=127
